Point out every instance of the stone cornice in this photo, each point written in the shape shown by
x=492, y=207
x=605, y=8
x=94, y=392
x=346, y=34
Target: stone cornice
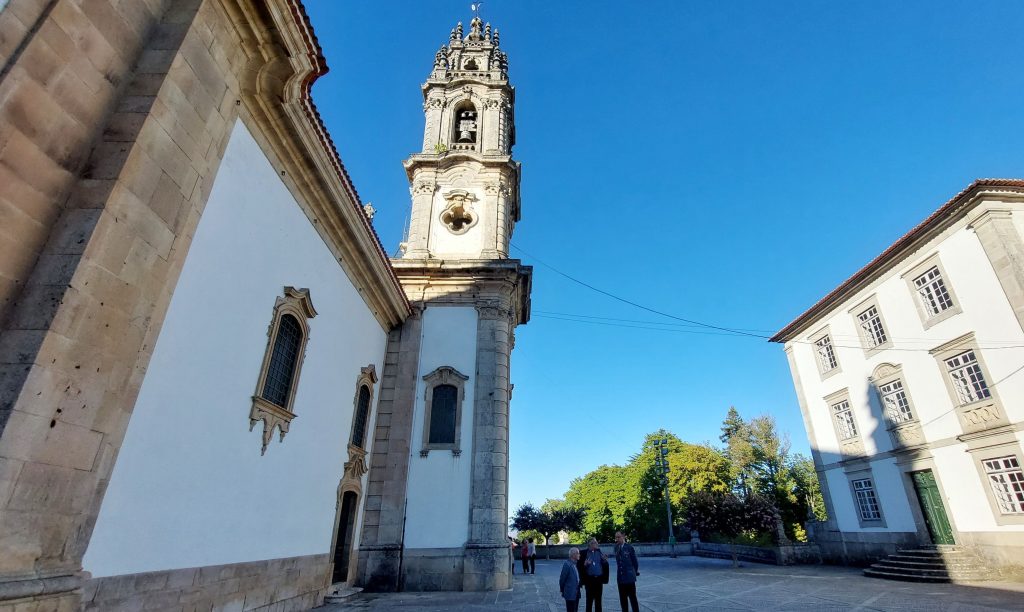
x=504, y=283
x=284, y=61
x=443, y=161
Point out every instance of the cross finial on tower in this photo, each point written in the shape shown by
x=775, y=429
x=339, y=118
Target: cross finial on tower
x=475, y=7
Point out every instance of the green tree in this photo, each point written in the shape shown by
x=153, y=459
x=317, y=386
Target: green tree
x=808, y=488
x=605, y=495
x=729, y=516
x=692, y=468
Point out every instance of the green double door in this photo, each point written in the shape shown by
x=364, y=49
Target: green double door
x=932, y=507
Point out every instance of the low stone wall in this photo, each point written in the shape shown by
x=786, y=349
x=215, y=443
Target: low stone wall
x=293, y=583
x=787, y=554
x=643, y=549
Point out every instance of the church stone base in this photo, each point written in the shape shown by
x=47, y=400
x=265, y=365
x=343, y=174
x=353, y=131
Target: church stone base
x=433, y=569
x=293, y=583
x=473, y=568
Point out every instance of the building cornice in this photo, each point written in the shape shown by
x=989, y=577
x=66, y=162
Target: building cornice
x=286, y=60
x=949, y=213
x=469, y=282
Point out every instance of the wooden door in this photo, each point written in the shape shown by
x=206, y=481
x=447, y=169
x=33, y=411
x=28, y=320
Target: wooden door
x=932, y=507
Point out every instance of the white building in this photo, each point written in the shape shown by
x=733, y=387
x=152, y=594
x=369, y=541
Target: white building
x=216, y=389
x=909, y=377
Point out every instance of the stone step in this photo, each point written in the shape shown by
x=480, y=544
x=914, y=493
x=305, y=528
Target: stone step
x=907, y=577
x=912, y=561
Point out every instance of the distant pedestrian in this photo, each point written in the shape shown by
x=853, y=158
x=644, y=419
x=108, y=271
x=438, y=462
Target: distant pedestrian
x=524, y=554
x=533, y=557
x=595, y=574
x=627, y=568
x=569, y=581
x=512, y=553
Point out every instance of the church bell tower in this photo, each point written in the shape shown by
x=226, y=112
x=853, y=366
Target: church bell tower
x=436, y=511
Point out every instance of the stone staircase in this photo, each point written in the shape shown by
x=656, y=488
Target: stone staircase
x=933, y=564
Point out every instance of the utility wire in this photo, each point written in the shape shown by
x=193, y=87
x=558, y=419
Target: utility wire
x=726, y=331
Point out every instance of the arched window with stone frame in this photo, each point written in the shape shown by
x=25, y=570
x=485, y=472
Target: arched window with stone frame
x=442, y=416
x=287, y=335
x=363, y=406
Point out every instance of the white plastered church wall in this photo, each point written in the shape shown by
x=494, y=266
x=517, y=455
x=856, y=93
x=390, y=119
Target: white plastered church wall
x=986, y=312
x=190, y=487
x=439, y=484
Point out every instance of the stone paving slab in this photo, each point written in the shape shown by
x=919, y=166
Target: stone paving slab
x=696, y=584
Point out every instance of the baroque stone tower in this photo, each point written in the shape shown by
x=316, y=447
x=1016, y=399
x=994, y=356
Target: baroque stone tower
x=436, y=513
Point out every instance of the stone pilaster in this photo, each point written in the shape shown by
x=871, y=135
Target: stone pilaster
x=486, y=564
x=1005, y=250
x=380, y=548
x=419, y=224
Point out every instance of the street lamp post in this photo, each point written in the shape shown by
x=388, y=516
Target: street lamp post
x=661, y=462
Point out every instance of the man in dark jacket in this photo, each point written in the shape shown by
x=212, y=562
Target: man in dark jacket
x=627, y=569
x=593, y=568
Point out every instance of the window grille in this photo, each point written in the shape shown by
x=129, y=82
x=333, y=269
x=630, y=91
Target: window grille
x=826, y=354
x=897, y=406
x=967, y=377
x=932, y=290
x=1007, y=482
x=442, y=414
x=871, y=323
x=867, y=502
x=362, y=414
x=281, y=371
x=844, y=420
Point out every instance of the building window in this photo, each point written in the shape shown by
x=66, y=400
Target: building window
x=967, y=378
x=361, y=416
x=287, y=335
x=442, y=414
x=933, y=293
x=897, y=406
x=826, y=354
x=871, y=326
x=442, y=423
x=845, y=424
x=277, y=388
x=1007, y=481
x=867, y=502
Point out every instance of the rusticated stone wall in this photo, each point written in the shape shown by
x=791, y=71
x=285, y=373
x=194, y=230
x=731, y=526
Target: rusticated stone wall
x=294, y=583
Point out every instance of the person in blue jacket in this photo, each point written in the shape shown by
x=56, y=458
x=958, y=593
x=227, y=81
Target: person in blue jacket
x=569, y=581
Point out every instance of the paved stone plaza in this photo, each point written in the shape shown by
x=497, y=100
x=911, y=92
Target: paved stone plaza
x=693, y=583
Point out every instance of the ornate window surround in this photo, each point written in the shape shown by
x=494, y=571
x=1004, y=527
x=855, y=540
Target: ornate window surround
x=855, y=312
x=813, y=339
x=459, y=203
x=1008, y=447
x=982, y=415
x=367, y=378
x=296, y=302
x=444, y=375
x=928, y=319
x=864, y=473
x=850, y=447
x=905, y=434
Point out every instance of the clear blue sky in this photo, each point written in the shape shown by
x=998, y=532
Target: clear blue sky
x=729, y=162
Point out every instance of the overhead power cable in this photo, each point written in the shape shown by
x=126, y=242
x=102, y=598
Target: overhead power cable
x=722, y=330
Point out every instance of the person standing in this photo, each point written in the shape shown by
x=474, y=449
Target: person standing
x=627, y=568
x=595, y=574
x=533, y=557
x=524, y=555
x=569, y=581
x=512, y=553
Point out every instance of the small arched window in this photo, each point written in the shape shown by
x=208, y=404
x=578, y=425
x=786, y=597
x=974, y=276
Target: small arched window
x=274, y=400
x=442, y=423
x=361, y=417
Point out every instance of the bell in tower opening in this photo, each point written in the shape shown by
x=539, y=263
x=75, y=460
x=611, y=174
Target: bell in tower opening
x=465, y=126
